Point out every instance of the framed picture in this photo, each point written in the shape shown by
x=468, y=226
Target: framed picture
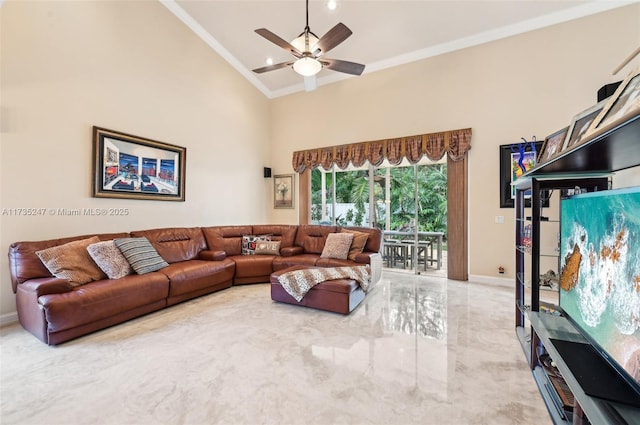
x=622, y=105
x=127, y=166
x=514, y=161
x=580, y=124
x=552, y=145
x=283, y=191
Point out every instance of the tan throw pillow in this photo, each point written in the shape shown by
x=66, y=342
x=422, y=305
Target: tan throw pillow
x=359, y=241
x=110, y=260
x=72, y=261
x=337, y=246
x=267, y=248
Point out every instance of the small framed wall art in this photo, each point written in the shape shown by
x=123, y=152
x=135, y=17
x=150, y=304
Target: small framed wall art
x=515, y=160
x=283, y=190
x=127, y=166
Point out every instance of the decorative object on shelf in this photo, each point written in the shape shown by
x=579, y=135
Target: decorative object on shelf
x=283, y=191
x=127, y=166
x=580, y=124
x=621, y=106
x=552, y=145
x=515, y=159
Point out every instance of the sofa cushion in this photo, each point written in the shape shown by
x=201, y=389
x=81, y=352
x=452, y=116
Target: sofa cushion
x=312, y=237
x=24, y=264
x=71, y=261
x=175, y=244
x=226, y=238
x=285, y=233
x=141, y=255
x=110, y=260
x=101, y=299
x=195, y=275
x=337, y=246
x=359, y=240
x=267, y=248
x=249, y=243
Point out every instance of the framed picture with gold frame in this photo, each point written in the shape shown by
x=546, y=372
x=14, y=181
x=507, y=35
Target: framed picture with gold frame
x=621, y=106
x=133, y=167
x=283, y=190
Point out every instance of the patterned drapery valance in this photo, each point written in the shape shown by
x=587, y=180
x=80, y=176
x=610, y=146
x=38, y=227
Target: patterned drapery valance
x=434, y=145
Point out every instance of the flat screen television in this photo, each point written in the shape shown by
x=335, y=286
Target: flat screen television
x=600, y=288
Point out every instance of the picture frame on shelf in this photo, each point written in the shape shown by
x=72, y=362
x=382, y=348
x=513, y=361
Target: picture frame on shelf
x=552, y=145
x=580, y=125
x=283, y=190
x=510, y=170
x=133, y=167
x=621, y=106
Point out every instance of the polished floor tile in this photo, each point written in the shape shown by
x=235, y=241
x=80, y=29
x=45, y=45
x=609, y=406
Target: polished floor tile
x=419, y=350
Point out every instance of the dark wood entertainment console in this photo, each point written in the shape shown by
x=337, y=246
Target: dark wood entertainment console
x=540, y=328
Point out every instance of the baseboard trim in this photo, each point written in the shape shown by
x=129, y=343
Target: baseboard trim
x=8, y=318
x=492, y=280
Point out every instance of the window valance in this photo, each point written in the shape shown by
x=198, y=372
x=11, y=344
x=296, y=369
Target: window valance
x=456, y=143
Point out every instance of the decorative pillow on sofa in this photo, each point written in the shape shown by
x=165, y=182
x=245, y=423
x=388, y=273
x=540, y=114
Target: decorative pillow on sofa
x=142, y=256
x=249, y=243
x=267, y=247
x=110, y=260
x=71, y=261
x=359, y=241
x=337, y=246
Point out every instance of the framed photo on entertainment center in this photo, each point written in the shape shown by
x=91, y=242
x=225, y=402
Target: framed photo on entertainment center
x=581, y=123
x=283, y=191
x=622, y=105
x=552, y=145
x=513, y=158
x=133, y=167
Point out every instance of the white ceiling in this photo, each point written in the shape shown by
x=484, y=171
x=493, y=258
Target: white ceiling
x=386, y=33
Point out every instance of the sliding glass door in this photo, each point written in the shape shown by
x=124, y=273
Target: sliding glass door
x=407, y=202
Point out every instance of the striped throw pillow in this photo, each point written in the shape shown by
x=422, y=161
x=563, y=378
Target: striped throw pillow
x=142, y=256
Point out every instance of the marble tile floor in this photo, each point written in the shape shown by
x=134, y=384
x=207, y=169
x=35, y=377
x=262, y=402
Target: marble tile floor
x=419, y=350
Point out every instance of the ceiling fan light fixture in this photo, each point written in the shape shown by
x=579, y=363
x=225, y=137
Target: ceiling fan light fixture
x=307, y=66
x=300, y=43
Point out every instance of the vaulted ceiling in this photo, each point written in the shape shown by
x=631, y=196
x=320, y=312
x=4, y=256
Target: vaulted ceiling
x=386, y=33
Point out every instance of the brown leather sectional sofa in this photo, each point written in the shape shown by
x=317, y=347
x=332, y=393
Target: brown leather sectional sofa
x=201, y=260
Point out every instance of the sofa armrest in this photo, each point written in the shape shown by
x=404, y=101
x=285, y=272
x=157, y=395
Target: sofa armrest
x=290, y=251
x=46, y=286
x=212, y=255
x=365, y=257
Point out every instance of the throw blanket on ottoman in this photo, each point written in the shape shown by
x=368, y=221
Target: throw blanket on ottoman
x=298, y=282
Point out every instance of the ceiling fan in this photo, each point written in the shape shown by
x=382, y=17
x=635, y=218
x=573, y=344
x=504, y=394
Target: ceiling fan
x=309, y=51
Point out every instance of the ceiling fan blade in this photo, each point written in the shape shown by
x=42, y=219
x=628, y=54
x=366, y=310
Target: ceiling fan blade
x=279, y=41
x=332, y=38
x=273, y=67
x=343, y=66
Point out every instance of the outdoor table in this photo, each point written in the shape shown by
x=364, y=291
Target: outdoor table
x=426, y=239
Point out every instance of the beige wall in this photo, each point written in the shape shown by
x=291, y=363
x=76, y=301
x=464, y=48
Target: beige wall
x=530, y=84
x=132, y=67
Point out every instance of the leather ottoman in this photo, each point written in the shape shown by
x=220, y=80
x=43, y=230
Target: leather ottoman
x=338, y=296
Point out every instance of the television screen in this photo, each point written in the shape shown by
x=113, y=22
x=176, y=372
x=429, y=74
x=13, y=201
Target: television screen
x=600, y=274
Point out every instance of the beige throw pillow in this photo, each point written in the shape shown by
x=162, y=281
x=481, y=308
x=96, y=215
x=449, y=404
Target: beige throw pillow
x=72, y=261
x=337, y=246
x=359, y=241
x=267, y=248
x=109, y=258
